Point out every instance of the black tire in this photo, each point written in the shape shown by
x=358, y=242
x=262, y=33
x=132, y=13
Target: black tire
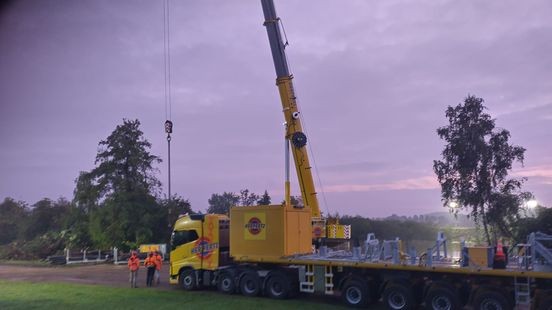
x=226, y=283
x=250, y=284
x=399, y=297
x=278, y=286
x=188, y=280
x=545, y=303
x=355, y=293
x=491, y=300
x=442, y=298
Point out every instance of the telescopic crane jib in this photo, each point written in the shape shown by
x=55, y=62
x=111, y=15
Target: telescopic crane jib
x=294, y=130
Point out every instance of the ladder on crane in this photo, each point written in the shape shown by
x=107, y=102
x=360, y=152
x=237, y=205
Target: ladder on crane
x=522, y=286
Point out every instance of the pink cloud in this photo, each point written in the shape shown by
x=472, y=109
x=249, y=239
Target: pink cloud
x=543, y=173
x=424, y=182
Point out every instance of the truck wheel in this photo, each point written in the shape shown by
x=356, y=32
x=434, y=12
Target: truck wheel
x=442, y=298
x=355, y=294
x=491, y=300
x=250, y=284
x=278, y=287
x=399, y=297
x=187, y=280
x=225, y=283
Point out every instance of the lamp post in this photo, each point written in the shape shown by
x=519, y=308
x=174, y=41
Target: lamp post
x=530, y=206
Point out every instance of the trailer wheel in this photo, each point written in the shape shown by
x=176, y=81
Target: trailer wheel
x=278, y=286
x=250, y=284
x=187, y=280
x=398, y=297
x=225, y=283
x=491, y=300
x=355, y=293
x=442, y=298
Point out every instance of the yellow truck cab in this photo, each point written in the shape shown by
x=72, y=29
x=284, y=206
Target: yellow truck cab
x=198, y=242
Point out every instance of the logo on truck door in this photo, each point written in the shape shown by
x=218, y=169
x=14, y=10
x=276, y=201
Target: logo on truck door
x=254, y=226
x=203, y=248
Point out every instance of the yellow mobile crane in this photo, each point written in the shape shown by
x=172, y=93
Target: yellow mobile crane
x=267, y=250
x=295, y=134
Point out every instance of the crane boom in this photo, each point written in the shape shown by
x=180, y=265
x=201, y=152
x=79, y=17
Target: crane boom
x=294, y=130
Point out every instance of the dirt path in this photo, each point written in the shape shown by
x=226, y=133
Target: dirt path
x=104, y=274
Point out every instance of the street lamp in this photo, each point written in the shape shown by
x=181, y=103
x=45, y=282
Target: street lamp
x=532, y=204
x=453, y=204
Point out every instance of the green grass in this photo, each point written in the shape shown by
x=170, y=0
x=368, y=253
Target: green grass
x=26, y=295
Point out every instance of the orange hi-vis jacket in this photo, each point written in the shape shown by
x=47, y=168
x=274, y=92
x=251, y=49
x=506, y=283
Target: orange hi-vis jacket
x=158, y=261
x=133, y=263
x=150, y=261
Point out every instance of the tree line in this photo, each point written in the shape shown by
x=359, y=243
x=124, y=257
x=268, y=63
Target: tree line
x=118, y=203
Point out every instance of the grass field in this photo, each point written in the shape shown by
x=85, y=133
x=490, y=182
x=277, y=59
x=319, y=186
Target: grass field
x=26, y=295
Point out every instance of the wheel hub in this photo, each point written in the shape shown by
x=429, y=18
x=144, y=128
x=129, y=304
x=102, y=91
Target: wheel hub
x=396, y=301
x=353, y=295
x=441, y=303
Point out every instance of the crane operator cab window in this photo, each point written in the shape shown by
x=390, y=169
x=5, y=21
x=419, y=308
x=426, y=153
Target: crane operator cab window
x=181, y=237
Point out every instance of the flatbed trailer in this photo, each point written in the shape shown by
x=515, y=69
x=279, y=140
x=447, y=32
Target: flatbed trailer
x=353, y=275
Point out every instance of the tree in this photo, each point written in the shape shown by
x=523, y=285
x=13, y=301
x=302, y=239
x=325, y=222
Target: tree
x=220, y=204
x=86, y=194
x=46, y=216
x=539, y=219
x=172, y=209
x=120, y=192
x=473, y=172
x=13, y=215
x=264, y=199
x=294, y=200
x=247, y=198
x=124, y=162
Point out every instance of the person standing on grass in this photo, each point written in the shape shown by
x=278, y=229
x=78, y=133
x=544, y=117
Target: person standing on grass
x=158, y=264
x=150, y=265
x=133, y=266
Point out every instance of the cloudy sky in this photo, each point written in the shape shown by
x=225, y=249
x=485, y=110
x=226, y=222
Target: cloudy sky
x=373, y=79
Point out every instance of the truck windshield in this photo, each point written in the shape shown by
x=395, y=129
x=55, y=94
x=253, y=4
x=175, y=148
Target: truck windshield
x=181, y=237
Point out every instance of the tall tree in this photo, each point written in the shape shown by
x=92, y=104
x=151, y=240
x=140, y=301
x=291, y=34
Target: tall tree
x=120, y=191
x=264, y=199
x=86, y=194
x=124, y=162
x=220, y=204
x=473, y=172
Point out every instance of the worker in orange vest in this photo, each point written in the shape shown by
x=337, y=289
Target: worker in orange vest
x=158, y=264
x=133, y=266
x=150, y=265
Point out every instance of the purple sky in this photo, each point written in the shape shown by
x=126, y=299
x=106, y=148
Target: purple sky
x=373, y=79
